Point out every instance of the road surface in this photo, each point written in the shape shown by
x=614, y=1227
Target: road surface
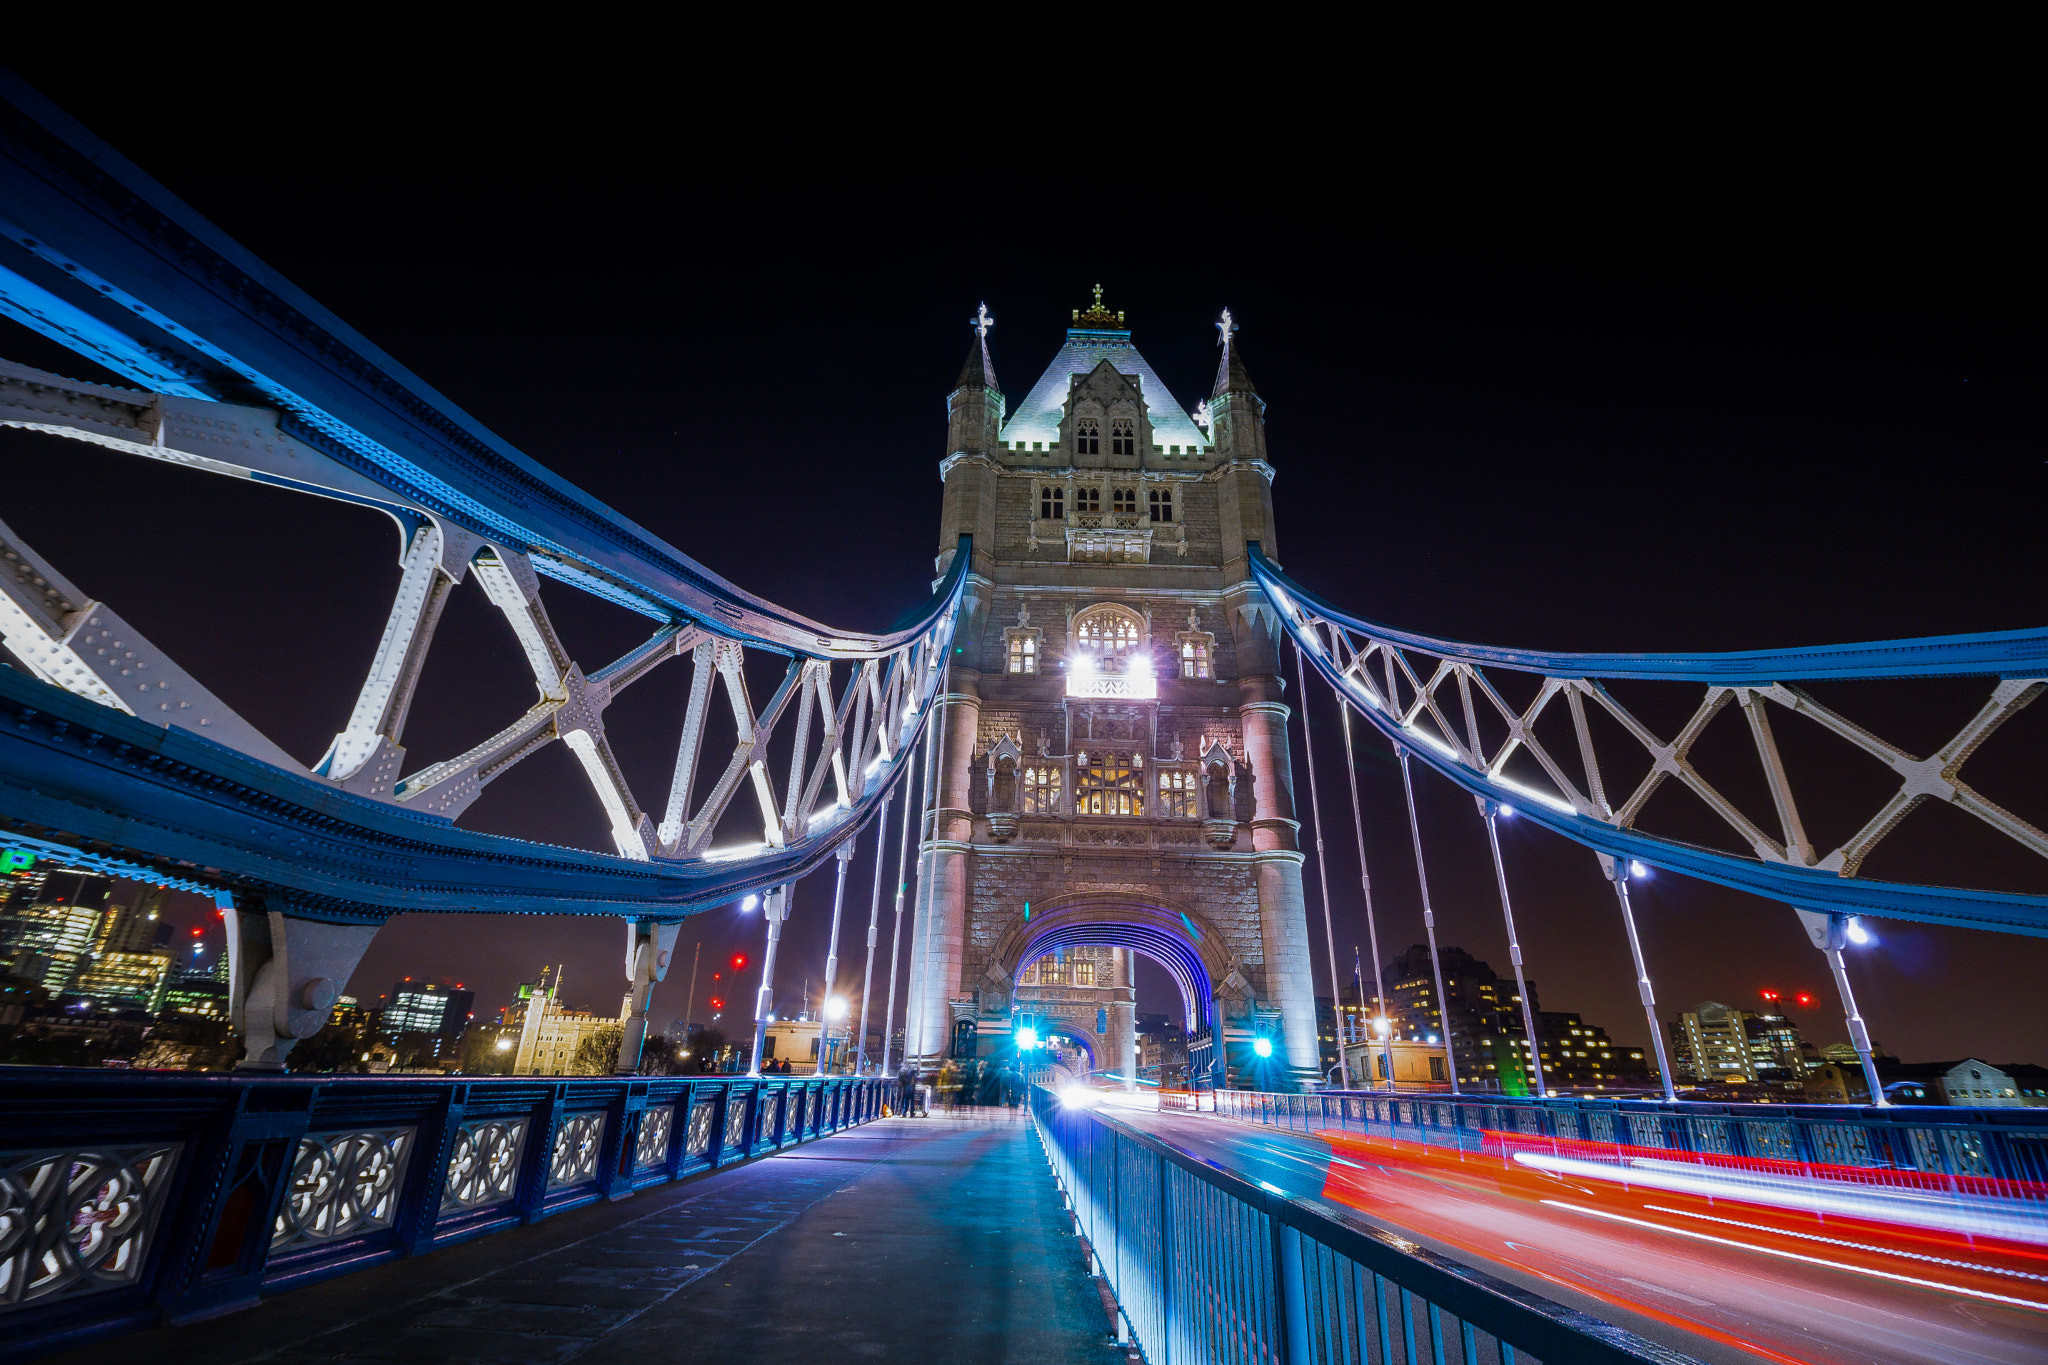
x=1720, y=1280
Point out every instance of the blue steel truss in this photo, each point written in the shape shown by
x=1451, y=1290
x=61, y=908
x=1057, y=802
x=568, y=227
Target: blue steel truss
x=1374, y=671
x=100, y=258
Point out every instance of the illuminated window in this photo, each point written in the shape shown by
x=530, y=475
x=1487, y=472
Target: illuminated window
x=1051, y=972
x=1042, y=790
x=1162, y=504
x=1084, y=972
x=1108, y=632
x=1177, y=794
x=1123, y=437
x=1124, y=500
x=1023, y=652
x=1087, y=436
x=1194, y=655
x=1108, y=783
x=1087, y=500
x=1052, y=503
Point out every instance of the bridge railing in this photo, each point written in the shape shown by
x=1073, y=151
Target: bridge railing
x=1209, y=1266
x=127, y=1200
x=1987, y=1153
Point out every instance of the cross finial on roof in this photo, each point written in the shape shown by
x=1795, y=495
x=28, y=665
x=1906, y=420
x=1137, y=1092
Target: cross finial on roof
x=1097, y=315
x=1224, y=328
x=982, y=321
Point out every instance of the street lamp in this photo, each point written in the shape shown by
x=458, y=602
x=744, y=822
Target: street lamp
x=1262, y=1047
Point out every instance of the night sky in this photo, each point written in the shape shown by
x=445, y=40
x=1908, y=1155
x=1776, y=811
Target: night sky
x=1686, y=386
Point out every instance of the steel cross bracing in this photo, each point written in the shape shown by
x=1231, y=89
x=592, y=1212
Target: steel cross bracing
x=240, y=374
x=1439, y=700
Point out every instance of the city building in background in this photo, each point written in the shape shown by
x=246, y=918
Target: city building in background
x=1084, y=992
x=1580, y=1056
x=49, y=924
x=549, y=1032
x=1415, y=1063
x=1481, y=1022
x=435, y=1014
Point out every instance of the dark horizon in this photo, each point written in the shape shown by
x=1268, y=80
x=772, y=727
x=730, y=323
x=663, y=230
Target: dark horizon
x=1581, y=414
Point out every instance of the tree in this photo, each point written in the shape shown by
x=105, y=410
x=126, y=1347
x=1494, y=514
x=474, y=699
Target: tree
x=598, y=1053
x=661, y=1056
x=481, y=1055
x=705, y=1045
x=331, y=1049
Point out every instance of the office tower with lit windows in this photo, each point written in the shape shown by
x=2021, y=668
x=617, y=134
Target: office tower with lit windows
x=422, y=1007
x=1580, y=1056
x=50, y=923
x=1484, y=1014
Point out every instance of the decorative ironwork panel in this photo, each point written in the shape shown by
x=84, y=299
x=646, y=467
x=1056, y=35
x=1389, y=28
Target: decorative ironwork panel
x=576, y=1149
x=1770, y=1138
x=343, y=1184
x=771, y=1114
x=702, y=1115
x=735, y=1120
x=1600, y=1127
x=1840, y=1144
x=483, y=1168
x=1711, y=1136
x=651, y=1149
x=78, y=1222
x=1528, y=1120
x=1645, y=1130
x=1567, y=1123
x=1965, y=1152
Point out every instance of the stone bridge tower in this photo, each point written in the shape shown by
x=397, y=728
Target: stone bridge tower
x=1114, y=766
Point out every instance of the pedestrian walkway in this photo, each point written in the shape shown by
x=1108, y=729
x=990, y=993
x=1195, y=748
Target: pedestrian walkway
x=935, y=1240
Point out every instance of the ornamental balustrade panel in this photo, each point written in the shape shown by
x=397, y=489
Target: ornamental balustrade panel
x=579, y=1144
x=78, y=1221
x=650, y=1147
x=483, y=1166
x=343, y=1184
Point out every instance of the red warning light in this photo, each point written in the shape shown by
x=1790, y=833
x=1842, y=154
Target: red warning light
x=1805, y=999
x=739, y=961
x=1770, y=995
x=716, y=1003
x=198, y=933
x=716, y=976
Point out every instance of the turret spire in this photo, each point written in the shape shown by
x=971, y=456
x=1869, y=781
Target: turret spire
x=979, y=372
x=1231, y=375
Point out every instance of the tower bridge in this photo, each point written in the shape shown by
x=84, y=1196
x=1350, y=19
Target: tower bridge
x=1088, y=724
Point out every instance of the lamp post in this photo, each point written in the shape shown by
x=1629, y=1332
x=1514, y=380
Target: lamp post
x=774, y=909
x=1618, y=871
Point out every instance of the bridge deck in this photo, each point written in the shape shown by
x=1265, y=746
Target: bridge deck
x=943, y=1237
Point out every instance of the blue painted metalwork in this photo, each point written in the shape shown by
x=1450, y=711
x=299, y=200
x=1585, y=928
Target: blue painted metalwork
x=170, y=1197
x=1994, y=654
x=1208, y=1266
x=96, y=255
x=164, y=805
x=2021, y=654
x=99, y=257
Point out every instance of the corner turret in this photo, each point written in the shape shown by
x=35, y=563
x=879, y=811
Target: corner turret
x=975, y=408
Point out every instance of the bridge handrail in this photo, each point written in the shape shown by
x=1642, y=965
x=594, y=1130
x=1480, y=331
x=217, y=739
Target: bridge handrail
x=172, y=1196
x=1999, y=1153
x=1346, y=650
x=1177, y=1236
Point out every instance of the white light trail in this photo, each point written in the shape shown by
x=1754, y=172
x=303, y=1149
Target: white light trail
x=1797, y=1256
x=1936, y=1210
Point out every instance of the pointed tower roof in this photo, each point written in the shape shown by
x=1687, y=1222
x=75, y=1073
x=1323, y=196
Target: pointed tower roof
x=979, y=372
x=1231, y=375
x=1098, y=335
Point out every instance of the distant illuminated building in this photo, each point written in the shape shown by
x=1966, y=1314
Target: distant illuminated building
x=550, y=1034
x=50, y=923
x=442, y=1012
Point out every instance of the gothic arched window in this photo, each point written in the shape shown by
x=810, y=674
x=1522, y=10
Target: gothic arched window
x=1109, y=783
x=1124, y=500
x=1123, y=437
x=1087, y=436
x=1108, y=632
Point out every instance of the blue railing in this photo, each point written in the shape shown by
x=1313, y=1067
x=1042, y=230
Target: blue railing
x=1208, y=1266
x=1997, y=1153
x=128, y=1200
